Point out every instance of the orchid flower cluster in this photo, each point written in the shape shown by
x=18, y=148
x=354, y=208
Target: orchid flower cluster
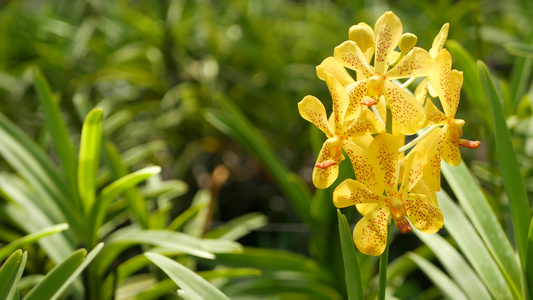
x=370, y=120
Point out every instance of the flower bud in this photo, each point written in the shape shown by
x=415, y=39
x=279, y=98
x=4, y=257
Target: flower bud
x=407, y=42
x=362, y=35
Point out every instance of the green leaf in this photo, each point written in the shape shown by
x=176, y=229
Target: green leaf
x=62, y=275
x=476, y=206
x=238, y=227
x=520, y=49
x=6, y=250
x=455, y=265
x=32, y=163
x=529, y=260
x=193, y=285
x=232, y=122
x=116, y=188
x=10, y=274
x=512, y=178
x=23, y=210
x=56, y=127
x=175, y=241
x=89, y=157
x=520, y=76
x=474, y=249
x=445, y=285
x=351, y=265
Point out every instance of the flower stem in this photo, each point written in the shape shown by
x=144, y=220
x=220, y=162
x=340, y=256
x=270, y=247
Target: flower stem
x=383, y=263
x=418, y=138
x=388, y=124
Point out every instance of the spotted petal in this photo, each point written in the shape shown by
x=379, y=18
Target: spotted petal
x=356, y=91
x=370, y=233
x=388, y=30
x=440, y=80
x=330, y=65
x=416, y=63
x=340, y=101
x=414, y=169
x=350, y=56
x=407, y=113
x=425, y=215
x=351, y=192
x=313, y=110
x=422, y=188
x=324, y=176
x=365, y=172
x=435, y=144
x=421, y=91
x=433, y=115
x=451, y=153
x=383, y=155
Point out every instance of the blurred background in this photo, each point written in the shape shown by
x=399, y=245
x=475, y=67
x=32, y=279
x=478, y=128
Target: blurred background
x=208, y=89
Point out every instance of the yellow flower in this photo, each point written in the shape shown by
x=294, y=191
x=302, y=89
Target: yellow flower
x=370, y=233
x=444, y=142
x=341, y=134
x=407, y=112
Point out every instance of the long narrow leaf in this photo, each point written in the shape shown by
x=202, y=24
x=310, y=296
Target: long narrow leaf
x=512, y=178
x=474, y=249
x=456, y=266
x=446, y=286
x=60, y=277
x=520, y=75
x=193, y=285
x=56, y=128
x=529, y=260
x=6, y=250
x=480, y=213
x=23, y=210
x=113, y=190
x=351, y=265
x=10, y=274
x=89, y=157
x=32, y=163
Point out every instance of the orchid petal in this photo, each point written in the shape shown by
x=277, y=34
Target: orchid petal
x=414, y=169
x=451, y=154
x=416, y=63
x=439, y=40
x=388, y=30
x=370, y=233
x=383, y=155
x=330, y=65
x=356, y=91
x=407, y=113
x=323, y=177
x=425, y=215
x=350, y=56
x=365, y=172
x=440, y=80
x=365, y=208
x=351, y=192
x=456, y=82
x=422, y=188
x=433, y=115
x=340, y=101
x=312, y=110
x=421, y=91
x=433, y=156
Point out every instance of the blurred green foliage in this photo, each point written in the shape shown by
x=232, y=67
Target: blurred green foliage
x=178, y=79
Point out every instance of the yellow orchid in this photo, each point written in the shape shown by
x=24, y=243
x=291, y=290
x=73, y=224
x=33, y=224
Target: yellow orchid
x=370, y=233
x=341, y=134
x=444, y=142
x=407, y=112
